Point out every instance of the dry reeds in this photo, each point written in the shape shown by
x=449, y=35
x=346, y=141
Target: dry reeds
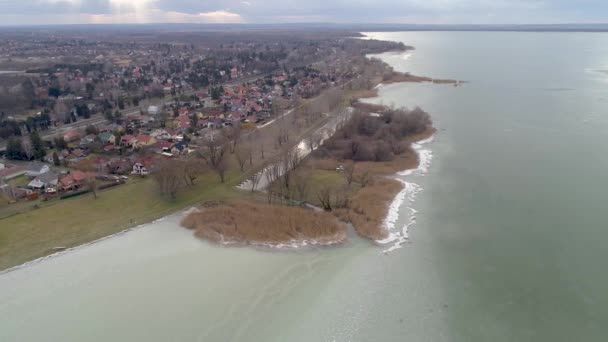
x=368, y=208
x=240, y=222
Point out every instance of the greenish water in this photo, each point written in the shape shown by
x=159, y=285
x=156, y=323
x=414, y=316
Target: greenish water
x=508, y=244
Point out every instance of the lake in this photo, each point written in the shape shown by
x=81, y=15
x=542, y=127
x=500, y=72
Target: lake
x=508, y=242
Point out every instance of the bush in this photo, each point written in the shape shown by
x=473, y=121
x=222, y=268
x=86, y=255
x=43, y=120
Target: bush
x=379, y=137
x=74, y=194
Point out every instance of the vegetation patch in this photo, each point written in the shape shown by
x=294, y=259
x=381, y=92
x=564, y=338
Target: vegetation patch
x=241, y=222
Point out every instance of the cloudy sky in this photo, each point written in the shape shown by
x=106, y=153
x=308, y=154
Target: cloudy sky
x=26, y=12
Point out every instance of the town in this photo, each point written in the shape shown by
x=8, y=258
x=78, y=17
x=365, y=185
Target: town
x=130, y=105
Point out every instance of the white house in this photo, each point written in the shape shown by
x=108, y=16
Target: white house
x=35, y=169
x=45, y=180
x=139, y=169
x=153, y=110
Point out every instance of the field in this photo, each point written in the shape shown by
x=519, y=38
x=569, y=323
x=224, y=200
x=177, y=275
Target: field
x=79, y=220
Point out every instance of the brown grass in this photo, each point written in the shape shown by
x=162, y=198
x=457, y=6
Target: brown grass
x=364, y=94
x=369, y=107
x=241, y=222
x=398, y=77
x=368, y=208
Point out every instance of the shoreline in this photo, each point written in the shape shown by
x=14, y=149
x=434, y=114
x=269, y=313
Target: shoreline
x=408, y=193
x=395, y=191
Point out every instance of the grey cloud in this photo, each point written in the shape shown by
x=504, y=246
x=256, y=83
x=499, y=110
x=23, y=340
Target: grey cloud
x=353, y=11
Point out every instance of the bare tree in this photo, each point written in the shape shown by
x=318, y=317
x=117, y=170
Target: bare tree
x=242, y=154
x=364, y=179
x=255, y=180
x=289, y=161
x=214, y=153
x=192, y=169
x=233, y=135
x=282, y=136
x=249, y=153
x=221, y=169
x=314, y=140
x=169, y=178
x=324, y=196
x=273, y=174
x=349, y=172
x=301, y=180
x=91, y=182
x=262, y=149
x=28, y=149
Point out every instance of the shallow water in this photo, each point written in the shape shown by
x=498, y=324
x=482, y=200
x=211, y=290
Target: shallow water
x=508, y=243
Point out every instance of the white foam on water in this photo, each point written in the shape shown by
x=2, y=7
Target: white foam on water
x=290, y=245
x=399, y=236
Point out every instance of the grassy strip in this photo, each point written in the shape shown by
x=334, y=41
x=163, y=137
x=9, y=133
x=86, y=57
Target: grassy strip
x=76, y=221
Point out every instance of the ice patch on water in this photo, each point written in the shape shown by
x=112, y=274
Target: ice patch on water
x=399, y=236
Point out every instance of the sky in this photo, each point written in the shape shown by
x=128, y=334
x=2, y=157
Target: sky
x=43, y=12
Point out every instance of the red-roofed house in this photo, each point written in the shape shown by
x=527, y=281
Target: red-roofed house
x=71, y=136
x=144, y=140
x=74, y=180
x=182, y=122
x=128, y=140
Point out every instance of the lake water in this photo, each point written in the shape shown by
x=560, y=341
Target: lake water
x=508, y=244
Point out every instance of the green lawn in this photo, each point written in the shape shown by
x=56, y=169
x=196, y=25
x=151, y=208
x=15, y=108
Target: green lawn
x=83, y=219
x=323, y=178
x=18, y=181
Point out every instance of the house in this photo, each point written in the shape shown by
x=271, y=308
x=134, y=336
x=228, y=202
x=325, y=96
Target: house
x=10, y=172
x=140, y=169
x=35, y=169
x=161, y=134
x=182, y=122
x=88, y=139
x=78, y=153
x=144, y=140
x=129, y=141
x=74, y=180
x=46, y=180
x=179, y=147
x=142, y=166
x=162, y=146
x=71, y=136
x=107, y=138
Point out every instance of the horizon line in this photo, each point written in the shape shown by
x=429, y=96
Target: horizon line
x=307, y=24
